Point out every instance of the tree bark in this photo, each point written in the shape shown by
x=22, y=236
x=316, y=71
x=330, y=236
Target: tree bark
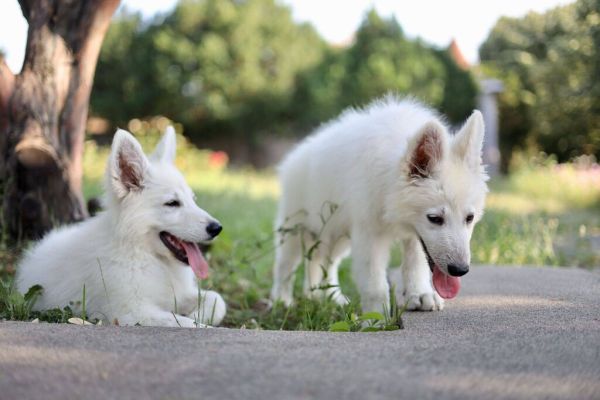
x=43, y=111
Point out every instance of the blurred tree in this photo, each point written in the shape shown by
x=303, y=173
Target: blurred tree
x=123, y=84
x=550, y=63
x=383, y=60
x=215, y=65
x=460, y=89
x=43, y=111
x=317, y=91
x=240, y=69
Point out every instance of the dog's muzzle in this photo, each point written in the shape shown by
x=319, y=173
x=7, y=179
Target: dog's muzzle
x=453, y=269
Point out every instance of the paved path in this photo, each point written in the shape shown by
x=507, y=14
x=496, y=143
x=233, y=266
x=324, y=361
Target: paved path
x=513, y=333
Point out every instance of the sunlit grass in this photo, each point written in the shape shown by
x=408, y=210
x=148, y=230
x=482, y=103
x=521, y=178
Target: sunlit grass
x=544, y=213
x=548, y=187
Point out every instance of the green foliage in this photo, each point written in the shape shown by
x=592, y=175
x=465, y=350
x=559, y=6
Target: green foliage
x=216, y=66
x=15, y=305
x=372, y=321
x=379, y=61
x=550, y=64
x=123, y=73
x=367, y=322
x=318, y=90
x=460, y=90
x=242, y=69
x=383, y=60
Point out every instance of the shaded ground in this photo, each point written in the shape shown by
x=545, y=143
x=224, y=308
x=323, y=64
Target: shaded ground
x=513, y=333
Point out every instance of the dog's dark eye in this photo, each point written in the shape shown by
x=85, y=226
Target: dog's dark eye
x=469, y=218
x=435, y=219
x=173, y=203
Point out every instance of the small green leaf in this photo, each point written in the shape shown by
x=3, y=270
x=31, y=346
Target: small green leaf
x=391, y=328
x=340, y=326
x=33, y=292
x=371, y=316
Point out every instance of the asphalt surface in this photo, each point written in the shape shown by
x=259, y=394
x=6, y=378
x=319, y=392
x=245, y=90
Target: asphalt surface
x=513, y=333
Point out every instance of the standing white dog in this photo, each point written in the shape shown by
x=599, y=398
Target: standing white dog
x=133, y=258
x=388, y=172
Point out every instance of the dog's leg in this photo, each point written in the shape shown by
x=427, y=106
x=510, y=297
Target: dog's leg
x=416, y=276
x=210, y=308
x=314, y=274
x=370, y=256
x=321, y=278
x=287, y=258
x=321, y=286
x=333, y=282
x=154, y=316
x=337, y=254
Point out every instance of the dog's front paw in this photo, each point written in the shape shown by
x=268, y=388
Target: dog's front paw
x=281, y=294
x=334, y=295
x=424, y=302
x=340, y=299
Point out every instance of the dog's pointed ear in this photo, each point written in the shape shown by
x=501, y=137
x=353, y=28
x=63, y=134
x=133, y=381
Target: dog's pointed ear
x=426, y=150
x=165, y=149
x=468, y=142
x=128, y=164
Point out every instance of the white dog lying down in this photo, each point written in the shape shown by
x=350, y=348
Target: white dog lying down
x=133, y=258
x=388, y=172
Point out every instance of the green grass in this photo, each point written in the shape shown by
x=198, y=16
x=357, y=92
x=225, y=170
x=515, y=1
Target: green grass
x=541, y=215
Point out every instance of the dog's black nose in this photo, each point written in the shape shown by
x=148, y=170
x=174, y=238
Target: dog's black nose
x=457, y=269
x=213, y=229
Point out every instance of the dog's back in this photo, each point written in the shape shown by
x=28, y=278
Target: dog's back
x=345, y=161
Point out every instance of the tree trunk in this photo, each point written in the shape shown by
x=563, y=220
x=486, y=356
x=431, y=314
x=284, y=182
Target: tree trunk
x=43, y=112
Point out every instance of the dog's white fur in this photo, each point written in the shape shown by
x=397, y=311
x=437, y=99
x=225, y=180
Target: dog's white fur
x=128, y=273
x=364, y=162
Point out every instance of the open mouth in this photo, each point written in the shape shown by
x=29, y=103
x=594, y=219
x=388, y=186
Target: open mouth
x=447, y=286
x=187, y=252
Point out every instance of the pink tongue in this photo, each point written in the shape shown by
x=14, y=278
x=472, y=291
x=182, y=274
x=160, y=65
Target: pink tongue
x=446, y=286
x=196, y=260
